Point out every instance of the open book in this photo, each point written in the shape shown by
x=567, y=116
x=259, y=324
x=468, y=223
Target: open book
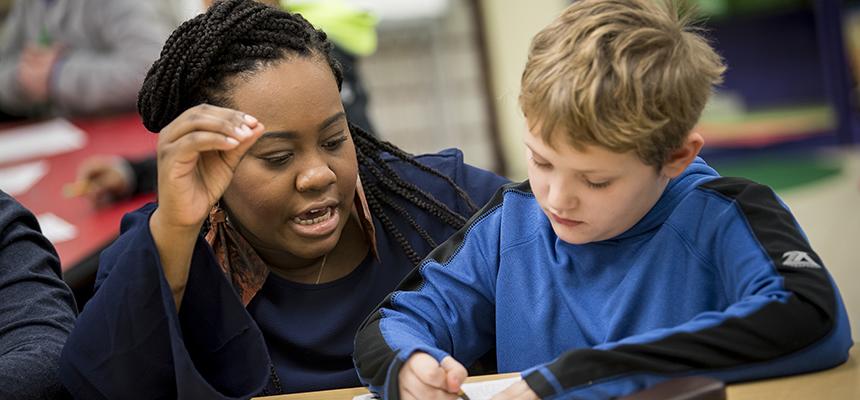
x=475, y=391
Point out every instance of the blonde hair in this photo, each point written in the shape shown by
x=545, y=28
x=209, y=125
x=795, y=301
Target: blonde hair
x=628, y=75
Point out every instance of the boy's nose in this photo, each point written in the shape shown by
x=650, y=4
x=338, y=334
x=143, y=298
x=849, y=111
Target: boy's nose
x=561, y=198
x=315, y=178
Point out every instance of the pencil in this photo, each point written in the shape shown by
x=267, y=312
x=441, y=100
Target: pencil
x=463, y=395
x=76, y=188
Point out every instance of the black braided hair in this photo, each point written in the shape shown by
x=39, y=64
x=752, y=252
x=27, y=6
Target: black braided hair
x=241, y=37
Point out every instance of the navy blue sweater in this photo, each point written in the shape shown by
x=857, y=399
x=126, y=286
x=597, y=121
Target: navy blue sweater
x=37, y=309
x=716, y=279
x=130, y=342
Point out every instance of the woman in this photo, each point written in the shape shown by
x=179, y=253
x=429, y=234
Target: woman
x=278, y=228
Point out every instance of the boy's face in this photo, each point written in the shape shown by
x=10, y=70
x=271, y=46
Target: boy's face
x=591, y=194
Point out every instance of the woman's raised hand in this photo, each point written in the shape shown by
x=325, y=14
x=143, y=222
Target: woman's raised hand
x=197, y=155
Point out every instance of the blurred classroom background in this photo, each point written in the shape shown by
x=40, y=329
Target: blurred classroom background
x=445, y=73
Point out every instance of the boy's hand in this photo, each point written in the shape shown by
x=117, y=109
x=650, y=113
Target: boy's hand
x=517, y=391
x=422, y=378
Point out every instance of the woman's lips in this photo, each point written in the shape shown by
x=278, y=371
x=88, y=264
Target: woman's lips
x=318, y=222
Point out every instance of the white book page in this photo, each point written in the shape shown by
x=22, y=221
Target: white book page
x=475, y=391
x=40, y=140
x=18, y=179
x=55, y=228
x=488, y=389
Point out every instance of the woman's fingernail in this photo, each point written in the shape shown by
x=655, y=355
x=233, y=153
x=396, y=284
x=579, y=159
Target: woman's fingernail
x=240, y=132
x=231, y=140
x=246, y=130
x=250, y=119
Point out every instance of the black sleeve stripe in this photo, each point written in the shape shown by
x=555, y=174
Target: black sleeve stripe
x=537, y=380
x=372, y=355
x=772, y=331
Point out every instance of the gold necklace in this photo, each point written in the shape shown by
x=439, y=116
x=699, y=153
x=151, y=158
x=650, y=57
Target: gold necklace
x=319, y=275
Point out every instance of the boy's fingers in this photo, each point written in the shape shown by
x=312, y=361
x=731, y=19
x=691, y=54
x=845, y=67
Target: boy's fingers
x=412, y=388
x=428, y=370
x=518, y=391
x=455, y=374
x=419, y=391
x=407, y=396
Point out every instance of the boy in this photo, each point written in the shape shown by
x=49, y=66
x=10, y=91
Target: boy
x=624, y=260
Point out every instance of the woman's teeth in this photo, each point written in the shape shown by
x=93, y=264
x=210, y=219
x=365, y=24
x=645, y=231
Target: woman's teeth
x=314, y=216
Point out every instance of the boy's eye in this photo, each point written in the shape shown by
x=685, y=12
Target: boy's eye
x=597, y=185
x=334, y=144
x=539, y=164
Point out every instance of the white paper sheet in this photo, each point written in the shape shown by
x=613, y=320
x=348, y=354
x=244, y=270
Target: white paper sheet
x=486, y=390
x=19, y=179
x=55, y=228
x=40, y=140
x=475, y=391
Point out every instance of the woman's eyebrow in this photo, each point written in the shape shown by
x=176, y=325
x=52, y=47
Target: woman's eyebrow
x=293, y=135
x=331, y=120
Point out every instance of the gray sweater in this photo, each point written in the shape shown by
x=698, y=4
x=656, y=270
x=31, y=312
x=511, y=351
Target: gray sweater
x=37, y=310
x=109, y=46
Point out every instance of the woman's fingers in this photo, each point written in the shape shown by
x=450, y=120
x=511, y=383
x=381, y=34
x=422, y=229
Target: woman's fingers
x=233, y=156
x=201, y=141
x=204, y=117
x=185, y=152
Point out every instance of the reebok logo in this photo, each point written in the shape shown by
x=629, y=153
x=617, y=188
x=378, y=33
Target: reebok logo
x=798, y=259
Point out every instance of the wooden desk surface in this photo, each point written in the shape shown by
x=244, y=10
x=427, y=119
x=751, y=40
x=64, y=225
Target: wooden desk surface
x=348, y=394
x=122, y=135
x=842, y=382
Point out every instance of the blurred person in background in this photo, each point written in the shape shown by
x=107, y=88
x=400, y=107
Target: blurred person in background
x=37, y=310
x=353, y=32
x=76, y=57
x=5, y=5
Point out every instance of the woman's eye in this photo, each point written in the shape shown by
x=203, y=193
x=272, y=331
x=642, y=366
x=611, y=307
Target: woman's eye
x=278, y=159
x=334, y=144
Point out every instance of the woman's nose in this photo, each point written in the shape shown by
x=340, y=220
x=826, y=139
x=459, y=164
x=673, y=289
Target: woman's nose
x=315, y=178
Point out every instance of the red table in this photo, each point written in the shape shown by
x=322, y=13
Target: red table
x=122, y=135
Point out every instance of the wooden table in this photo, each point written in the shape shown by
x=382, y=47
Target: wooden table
x=348, y=394
x=842, y=382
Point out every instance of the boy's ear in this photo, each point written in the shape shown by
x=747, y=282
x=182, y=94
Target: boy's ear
x=681, y=157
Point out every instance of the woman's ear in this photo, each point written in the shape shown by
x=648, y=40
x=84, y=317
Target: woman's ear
x=681, y=157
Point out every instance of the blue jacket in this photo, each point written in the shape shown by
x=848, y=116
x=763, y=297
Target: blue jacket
x=716, y=279
x=130, y=343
